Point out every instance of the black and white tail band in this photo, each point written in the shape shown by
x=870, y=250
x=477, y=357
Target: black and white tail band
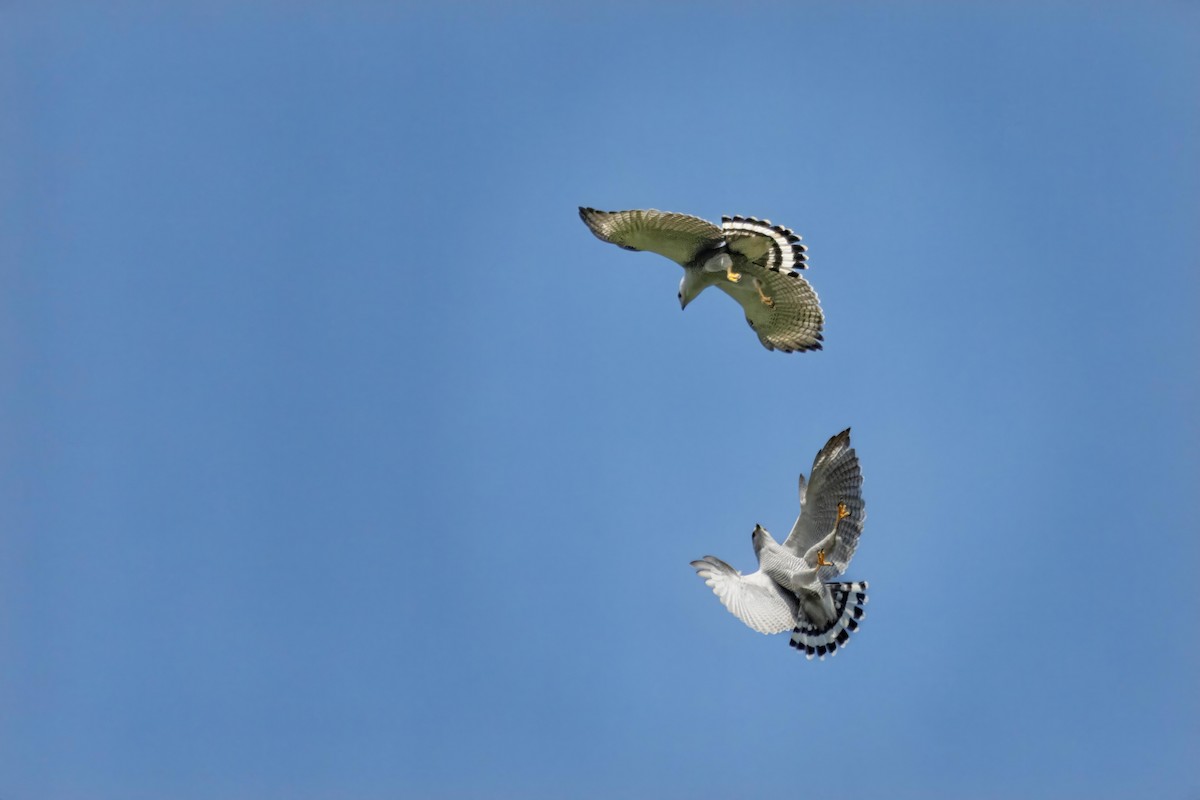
x=785, y=254
x=848, y=602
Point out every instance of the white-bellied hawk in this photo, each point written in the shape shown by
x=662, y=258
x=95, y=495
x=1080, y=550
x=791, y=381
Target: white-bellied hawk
x=792, y=590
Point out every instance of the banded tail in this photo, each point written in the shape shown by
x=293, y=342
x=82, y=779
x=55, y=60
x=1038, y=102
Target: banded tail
x=772, y=246
x=848, y=602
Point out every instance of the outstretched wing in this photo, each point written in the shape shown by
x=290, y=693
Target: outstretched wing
x=769, y=258
x=755, y=599
x=836, y=477
x=679, y=237
x=793, y=319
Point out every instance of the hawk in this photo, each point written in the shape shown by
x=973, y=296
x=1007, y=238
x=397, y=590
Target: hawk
x=751, y=260
x=792, y=590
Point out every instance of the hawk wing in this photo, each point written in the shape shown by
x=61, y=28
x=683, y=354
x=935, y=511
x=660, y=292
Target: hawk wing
x=755, y=599
x=769, y=256
x=679, y=237
x=836, y=476
x=793, y=320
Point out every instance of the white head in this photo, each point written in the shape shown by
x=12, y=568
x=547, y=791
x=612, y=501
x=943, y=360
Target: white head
x=760, y=538
x=702, y=274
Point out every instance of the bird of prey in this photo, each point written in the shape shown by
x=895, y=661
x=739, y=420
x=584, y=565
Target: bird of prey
x=792, y=590
x=751, y=260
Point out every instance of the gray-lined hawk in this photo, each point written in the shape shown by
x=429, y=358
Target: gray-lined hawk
x=792, y=590
x=751, y=260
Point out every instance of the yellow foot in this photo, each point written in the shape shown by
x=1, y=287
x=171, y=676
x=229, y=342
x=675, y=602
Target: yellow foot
x=821, y=562
x=766, y=300
x=843, y=512
x=734, y=277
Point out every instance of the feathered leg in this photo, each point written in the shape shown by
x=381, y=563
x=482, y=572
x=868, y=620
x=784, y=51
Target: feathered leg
x=723, y=263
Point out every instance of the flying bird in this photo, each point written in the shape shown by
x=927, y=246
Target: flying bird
x=751, y=260
x=792, y=590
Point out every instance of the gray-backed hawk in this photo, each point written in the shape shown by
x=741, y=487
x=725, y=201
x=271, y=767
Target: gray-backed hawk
x=792, y=590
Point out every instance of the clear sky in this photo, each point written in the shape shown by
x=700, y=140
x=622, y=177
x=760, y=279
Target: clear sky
x=339, y=460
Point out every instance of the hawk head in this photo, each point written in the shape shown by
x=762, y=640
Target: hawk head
x=692, y=284
x=760, y=537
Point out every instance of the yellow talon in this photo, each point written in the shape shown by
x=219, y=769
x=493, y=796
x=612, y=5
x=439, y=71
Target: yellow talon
x=821, y=562
x=843, y=512
x=733, y=276
x=766, y=300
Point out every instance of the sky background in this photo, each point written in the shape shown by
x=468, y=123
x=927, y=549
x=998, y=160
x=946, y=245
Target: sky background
x=339, y=460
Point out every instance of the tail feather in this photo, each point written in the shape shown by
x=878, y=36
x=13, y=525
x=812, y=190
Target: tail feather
x=772, y=246
x=820, y=641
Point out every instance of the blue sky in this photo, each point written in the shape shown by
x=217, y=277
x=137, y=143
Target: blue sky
x=340, y=460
